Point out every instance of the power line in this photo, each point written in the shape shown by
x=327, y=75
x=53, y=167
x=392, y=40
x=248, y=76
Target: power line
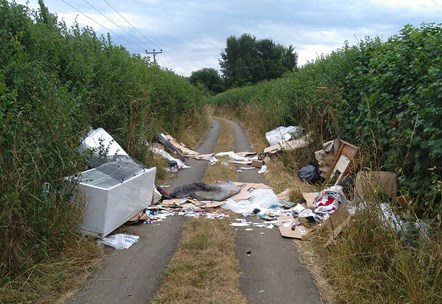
x=138, y=31
x=114, y=22
x=130, y=24
x=99, y=23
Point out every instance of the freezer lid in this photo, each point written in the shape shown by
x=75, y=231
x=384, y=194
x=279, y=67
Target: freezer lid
x=111, y=174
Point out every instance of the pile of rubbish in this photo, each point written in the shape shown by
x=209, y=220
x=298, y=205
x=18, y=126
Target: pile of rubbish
x=113, y=174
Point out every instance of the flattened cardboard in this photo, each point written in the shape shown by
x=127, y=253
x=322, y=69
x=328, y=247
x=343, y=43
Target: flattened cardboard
x=204, y=156
x=298, y=233
x=182, y=147
x=284, y=195
x=246, y=188
x=213, y=204
x=372, y=183
x=266, y=160
x=309, y=198
x=337, y=221
x=245, y=154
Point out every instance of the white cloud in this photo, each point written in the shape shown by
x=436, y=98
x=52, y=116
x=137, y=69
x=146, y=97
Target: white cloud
x=422, y=5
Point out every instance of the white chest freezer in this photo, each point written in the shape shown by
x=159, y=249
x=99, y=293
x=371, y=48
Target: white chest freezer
x=113, y=193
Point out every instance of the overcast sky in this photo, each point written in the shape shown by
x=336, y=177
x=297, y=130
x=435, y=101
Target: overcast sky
x=192, y=34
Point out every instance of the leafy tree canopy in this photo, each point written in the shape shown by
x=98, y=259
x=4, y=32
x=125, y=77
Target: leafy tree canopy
x=246, y=60
x=209, y=78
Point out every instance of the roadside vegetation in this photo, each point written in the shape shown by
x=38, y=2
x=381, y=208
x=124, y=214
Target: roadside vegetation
x=56, y=82
x=383, y=97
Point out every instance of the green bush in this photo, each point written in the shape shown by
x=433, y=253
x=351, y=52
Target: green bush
x=384, y=97
x=56, y=82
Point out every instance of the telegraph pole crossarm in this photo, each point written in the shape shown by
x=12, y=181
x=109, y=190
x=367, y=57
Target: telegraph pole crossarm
x=154, y=53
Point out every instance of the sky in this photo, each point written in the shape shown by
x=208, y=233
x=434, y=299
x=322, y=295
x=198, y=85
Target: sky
x=192, y=34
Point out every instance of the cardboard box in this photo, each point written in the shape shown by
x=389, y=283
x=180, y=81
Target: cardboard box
x=337, y=221
x=257, y=163
x=372, y=184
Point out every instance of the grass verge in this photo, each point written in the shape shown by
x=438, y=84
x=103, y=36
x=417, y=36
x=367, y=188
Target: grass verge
x=55, y=280
x=205, y=268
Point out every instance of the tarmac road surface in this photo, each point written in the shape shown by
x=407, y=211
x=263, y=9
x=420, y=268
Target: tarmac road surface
x=133, y=276
x=271, y=271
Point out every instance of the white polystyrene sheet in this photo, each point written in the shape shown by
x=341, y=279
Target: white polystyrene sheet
x=97, y=140
x=282, y=134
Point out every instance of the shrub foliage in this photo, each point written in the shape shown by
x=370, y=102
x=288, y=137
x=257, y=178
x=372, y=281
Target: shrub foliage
x=56, y=81
x=384, y=97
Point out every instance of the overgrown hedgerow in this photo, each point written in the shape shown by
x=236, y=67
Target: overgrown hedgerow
x=57, y=81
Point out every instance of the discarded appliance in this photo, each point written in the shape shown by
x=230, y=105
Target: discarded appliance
x=112, y=193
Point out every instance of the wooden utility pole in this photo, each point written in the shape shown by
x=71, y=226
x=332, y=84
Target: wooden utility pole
x=154, y=53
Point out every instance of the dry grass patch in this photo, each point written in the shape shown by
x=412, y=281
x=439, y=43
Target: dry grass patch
x=54, y=281
x=205, y=268
x=372, y=263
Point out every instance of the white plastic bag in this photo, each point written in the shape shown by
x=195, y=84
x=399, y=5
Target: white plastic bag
x=119, y=241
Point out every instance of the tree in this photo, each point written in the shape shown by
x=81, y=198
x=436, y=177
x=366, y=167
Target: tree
x=246, y=60
x=209, y=78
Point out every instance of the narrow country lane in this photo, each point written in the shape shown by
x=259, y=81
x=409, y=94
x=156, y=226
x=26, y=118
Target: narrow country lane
x=133, y=276
x=271, y=270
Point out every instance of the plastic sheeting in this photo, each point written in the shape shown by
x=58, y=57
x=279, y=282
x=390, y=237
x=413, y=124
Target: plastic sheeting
x=260, y=199
x=119, y=241
x=281, y=134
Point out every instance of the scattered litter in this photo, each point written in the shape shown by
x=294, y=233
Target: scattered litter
x=119, y=241
x=180, y=165
x=288, y=145
x=234, y=156
x=115, y=177
x=263, y=169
